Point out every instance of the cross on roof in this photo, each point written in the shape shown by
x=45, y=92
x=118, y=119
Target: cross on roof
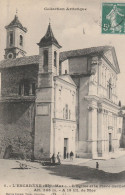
x=49, y=20
x=16, y=11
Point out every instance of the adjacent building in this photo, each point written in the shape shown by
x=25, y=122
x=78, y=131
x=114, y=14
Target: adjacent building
x=57, y=101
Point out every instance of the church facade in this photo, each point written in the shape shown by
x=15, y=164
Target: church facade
x=57, y=101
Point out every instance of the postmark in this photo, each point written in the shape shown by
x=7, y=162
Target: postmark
x=113, y=18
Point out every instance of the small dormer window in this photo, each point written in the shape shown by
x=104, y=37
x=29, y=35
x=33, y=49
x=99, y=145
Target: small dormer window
x=21, y=40
x=55, y=58
x=11, y=38
x=45, y=53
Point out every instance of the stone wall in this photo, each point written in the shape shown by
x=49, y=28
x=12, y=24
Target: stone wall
x=17, y=129
x=11, y=77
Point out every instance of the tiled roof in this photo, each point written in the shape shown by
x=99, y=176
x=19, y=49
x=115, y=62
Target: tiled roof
x=16, y=23
x=19, y=61
x=28, y=60
x=82, y=52
x=49, y=39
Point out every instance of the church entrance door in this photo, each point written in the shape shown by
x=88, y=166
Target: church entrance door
x=65, y=147
x=110, y=142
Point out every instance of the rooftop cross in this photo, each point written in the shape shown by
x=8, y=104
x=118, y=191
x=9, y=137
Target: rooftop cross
x=49, y=20
x=16, y=11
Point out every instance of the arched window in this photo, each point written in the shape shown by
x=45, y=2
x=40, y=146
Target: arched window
x=45, y=62
x=109, y=88
x=21, y=40
x=65, y=71
x=55, y=60
x=66, y=109
x=11, y=38
x=60, y=68
x=69, y=114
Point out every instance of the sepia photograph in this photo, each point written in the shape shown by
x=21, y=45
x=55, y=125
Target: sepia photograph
x=62, y=97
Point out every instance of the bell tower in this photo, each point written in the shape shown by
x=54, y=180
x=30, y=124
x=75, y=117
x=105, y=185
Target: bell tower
x=49, y=53
x=15, y=41
x=48, y=69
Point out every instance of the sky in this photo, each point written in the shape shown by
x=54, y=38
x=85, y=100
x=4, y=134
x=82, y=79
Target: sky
x=73, y=29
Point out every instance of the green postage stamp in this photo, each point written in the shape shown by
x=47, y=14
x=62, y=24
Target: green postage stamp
x=113, y=18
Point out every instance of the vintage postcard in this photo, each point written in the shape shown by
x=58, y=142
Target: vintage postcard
x=62, y=97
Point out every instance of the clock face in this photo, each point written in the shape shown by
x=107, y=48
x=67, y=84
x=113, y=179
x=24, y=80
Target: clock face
x=10, y=56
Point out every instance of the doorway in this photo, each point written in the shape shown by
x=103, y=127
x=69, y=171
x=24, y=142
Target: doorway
x=65, y=147
x=110, y=142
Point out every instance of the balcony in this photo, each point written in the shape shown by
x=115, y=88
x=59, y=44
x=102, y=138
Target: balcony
x=17, y=98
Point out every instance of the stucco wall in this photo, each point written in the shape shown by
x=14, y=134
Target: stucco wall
x=64, y=129
x=81, y=114
x=43, y=119
x=65, y=67
x=78, y=65
x=122, y=139
x=65, y=94
x=42, y=136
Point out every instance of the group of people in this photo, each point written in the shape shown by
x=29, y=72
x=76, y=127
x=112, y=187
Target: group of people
x=71, y=155
x=53, y=159
x=57, y=159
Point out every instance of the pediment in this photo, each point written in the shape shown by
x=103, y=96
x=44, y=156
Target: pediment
x=67, y=78
x=111, y=59
x=109, y=56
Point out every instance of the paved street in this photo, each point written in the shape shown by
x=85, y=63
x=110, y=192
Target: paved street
x=110, y=171
x=10, y=173
x=111, y=166
x=80, y=171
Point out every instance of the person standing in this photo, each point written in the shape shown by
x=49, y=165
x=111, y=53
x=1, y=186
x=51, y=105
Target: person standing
x=71, y=155
x=67, y=155
x=58, y=158
x=53, y=159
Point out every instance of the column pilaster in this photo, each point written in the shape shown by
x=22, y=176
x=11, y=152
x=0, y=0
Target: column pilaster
x=100, y=121
x=92, y=131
